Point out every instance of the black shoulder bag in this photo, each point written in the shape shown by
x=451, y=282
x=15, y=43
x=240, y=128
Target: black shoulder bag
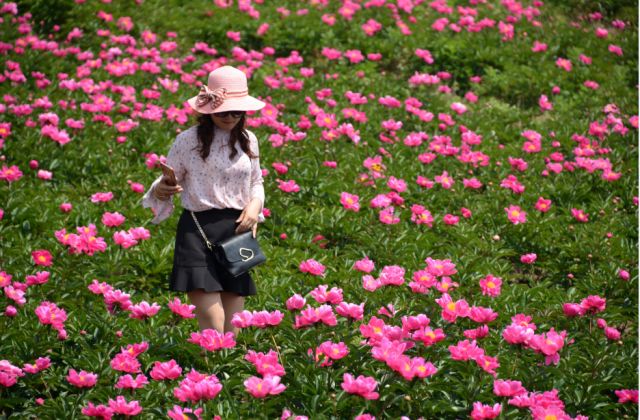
x=238, y=254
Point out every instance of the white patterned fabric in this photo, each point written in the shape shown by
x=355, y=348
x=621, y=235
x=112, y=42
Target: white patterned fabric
x=217, y=182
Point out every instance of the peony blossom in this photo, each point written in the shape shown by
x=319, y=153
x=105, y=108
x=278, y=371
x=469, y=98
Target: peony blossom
x=312, y=267
x=363, y=386
x=262, y=387
x=82, y=379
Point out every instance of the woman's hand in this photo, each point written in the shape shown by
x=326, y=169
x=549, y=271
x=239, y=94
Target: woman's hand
x=164, y=191
x=249, y=217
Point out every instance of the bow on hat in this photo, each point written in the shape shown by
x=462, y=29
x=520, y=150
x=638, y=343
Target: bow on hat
x=214, y=98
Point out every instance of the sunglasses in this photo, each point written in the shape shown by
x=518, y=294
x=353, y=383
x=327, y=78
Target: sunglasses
x=234, y=114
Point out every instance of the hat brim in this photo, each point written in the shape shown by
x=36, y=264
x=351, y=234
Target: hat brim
x=243, y=103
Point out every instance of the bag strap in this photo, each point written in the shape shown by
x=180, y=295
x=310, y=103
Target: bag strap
x=209, y=244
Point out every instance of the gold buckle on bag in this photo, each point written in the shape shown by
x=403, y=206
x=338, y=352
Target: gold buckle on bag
x=245, y=256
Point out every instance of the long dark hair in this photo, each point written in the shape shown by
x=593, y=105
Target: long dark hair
x=206, y=128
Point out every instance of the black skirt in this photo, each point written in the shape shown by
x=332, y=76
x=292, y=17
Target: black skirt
x=194, y=267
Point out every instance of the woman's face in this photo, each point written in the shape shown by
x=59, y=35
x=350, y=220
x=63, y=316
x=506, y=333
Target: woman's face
x=225, y=122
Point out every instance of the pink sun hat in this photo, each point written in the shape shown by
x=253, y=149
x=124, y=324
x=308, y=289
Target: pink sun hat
x=226, y=90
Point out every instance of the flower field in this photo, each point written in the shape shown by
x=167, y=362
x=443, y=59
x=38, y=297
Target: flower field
x=451, y=223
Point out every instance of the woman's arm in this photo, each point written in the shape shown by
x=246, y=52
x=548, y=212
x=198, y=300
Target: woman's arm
x=159, y=195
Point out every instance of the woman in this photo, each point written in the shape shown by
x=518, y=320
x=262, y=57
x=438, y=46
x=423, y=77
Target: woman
x=219, y=178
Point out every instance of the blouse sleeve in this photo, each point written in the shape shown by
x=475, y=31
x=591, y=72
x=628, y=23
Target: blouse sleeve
x=257, y=187
x=162, y=209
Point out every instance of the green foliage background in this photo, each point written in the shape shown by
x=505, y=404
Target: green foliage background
x=513, y=78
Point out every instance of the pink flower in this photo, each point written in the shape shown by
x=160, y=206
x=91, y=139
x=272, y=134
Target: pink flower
x=116, y=297
x=49, y=314
x=42, y=363
x=65, y=207
x=312, y=267
x=234, y=36
x=350, y=310
x=612, y=333
x=124, y=239
x=593, y=304
x=295, y=302
x=212, y=340
x=623, y=274
x=46, y=175
x=9, y=373
x=490, y=285
x=392, y=275
x=143, y=310
x=112, y=219
x=165, y=370
x=365, y=265
x=15, y=294
x=483, y=411
x=197, y=386
x=261, y=387
x=101, y=197
x=82, y=379
x=421, y=216
x=124, y=362
x=42, y=257
x=387, y=216
x=181, y=309
x=445, y=180
x=139, y=233
x=41, y=277
x=572, y=309
x=440, y=268
x=127, y=381
x=121, y=406
x=466, y=350
x=544, y=103
x=350, y=201
x=331, y=351
x=136, y=187
x=10, y=174
x=362, y=385
x=450, y=219
x=288, y=186
x=548, y=343
x=179, y=413
x=428, y=336
x=97, y=411
x=528, y=258
x=310, y=316
x=543, y=205
x=266, y=364
x=321, y=295
x=5, y=279
x=370, y=283
x=506, y=388
x=615, y=49
x=627, y=395
x=477, y=333
x=99, y=288
x=452, y=310
x=580, y=215
x=515, y=214
x=564, y=64
x=482, y=315
x=371, y=27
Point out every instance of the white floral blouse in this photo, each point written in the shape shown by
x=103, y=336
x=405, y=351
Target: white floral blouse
x=217, y=182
